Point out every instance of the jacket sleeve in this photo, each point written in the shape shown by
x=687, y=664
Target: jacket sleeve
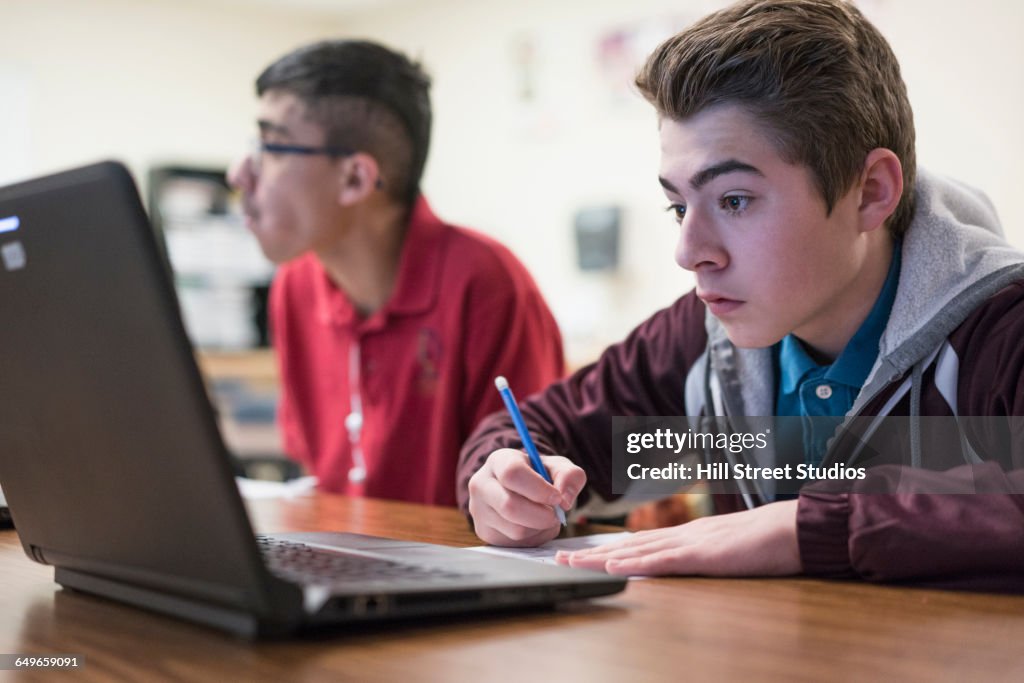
x=971, y=535
x=966, y=540
x=643, y=375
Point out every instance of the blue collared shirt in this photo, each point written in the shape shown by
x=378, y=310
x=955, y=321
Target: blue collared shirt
x=827, y=392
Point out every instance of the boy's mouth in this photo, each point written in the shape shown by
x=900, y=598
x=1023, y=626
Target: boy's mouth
x=718, y=304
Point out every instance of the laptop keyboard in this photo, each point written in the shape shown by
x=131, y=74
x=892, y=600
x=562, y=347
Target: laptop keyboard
x=303, y=564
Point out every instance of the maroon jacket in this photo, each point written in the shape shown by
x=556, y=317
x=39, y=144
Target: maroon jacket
x=965, y=358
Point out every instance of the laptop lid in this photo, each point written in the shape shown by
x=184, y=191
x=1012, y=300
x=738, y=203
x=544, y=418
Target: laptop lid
x=110, y=455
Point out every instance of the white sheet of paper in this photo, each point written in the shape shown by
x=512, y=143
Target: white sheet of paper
x=546, y=552
x=258, y=489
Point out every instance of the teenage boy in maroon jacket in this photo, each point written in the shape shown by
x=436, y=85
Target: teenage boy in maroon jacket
x=833, y=280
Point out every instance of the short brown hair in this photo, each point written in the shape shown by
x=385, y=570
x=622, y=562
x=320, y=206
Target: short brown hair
x=820, y=78
x=367, y=97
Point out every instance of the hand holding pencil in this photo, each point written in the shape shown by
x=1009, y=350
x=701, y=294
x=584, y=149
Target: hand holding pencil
x=513, y=493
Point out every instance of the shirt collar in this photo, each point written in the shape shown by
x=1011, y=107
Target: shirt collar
x=858, y=356
x=416, y=284
x=794, y=363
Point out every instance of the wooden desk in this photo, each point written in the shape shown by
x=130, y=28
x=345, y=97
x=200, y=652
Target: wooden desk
x=662, y=629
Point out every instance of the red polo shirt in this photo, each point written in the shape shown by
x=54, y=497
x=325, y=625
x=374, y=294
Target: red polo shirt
x=464, y=310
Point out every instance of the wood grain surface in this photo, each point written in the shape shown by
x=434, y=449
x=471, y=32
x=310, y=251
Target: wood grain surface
x=659, y=629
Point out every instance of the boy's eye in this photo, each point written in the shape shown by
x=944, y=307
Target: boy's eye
x=735, y=203
x=677, y=210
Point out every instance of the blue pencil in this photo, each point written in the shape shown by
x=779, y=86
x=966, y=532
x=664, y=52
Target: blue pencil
x=524, y=436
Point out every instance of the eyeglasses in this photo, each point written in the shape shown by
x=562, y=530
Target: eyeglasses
x=259, y=148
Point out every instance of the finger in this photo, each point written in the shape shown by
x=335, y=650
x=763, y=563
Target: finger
x=515, y=508
x=567, y=477
x=486, y=519
x=487, y=523
x=614, y=552
x=570, y=559
x=512, y=470
x=675, y=561
x=638, y=539
x=669, y=560
x=496, y=530
x=511, y=506
x=598, y=561
x=637, y=545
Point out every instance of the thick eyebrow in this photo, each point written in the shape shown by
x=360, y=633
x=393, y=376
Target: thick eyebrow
x=705, y=176
x=271, y=127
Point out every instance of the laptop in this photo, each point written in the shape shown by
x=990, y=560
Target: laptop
x=113, y=466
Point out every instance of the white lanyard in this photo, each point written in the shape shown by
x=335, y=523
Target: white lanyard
x=354, y=419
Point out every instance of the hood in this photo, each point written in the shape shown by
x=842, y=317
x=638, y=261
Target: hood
x=954, y=258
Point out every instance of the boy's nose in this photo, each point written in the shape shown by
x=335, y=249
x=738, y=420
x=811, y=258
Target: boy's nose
x=240, y=174
x=698, y=247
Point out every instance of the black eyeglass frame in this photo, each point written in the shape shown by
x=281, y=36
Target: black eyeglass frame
x=277, y=148
x=261, y=147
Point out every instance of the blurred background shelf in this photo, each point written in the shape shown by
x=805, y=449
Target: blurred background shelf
x=244, y=388
x=220, y=274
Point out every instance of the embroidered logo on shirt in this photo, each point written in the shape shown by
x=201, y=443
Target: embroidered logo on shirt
x=428, y=357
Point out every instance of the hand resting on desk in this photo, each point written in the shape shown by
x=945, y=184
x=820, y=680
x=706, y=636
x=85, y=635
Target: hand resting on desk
x=511, y=505
x=758, y=542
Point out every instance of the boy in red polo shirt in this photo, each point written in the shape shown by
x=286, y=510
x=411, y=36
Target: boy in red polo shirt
x=389, y=324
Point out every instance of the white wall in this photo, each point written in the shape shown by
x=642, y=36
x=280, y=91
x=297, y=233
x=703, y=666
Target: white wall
x=146, y=82
x=158, y=81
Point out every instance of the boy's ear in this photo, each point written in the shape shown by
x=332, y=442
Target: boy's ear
x=881, y=187
x=359, y=177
